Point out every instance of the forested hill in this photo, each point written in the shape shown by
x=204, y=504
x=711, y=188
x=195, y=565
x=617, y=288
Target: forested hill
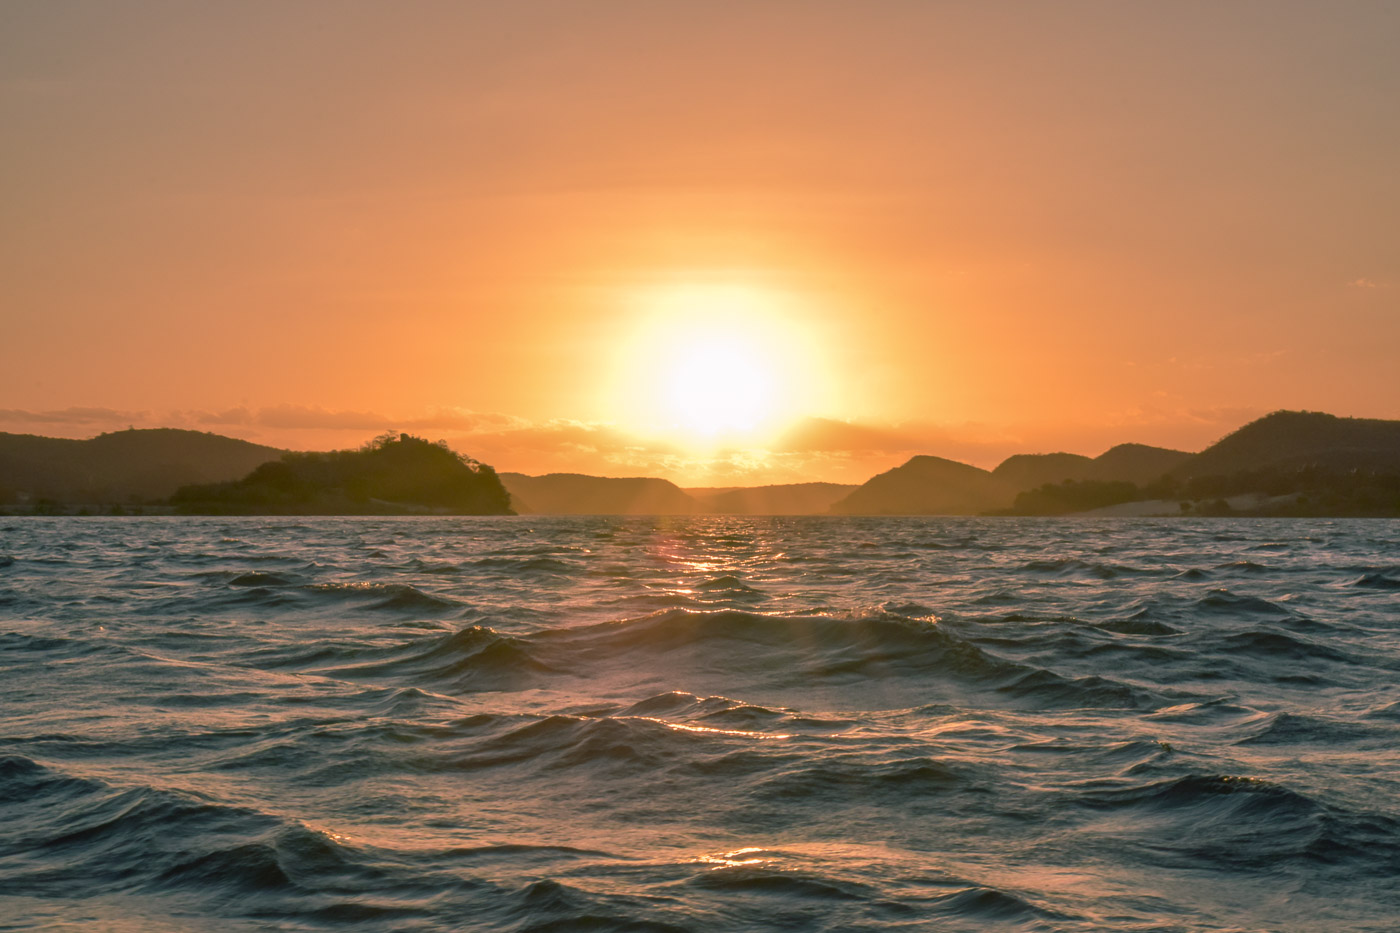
x=1296, y=439
x=390, y=475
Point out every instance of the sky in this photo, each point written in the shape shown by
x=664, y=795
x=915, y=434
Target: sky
x=721, y=242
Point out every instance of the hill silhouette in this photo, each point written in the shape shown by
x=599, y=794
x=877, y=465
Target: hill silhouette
x=120, y=467
x=579, y=494
x=786, y=499
x=1026, y=471
x=1136, y=463
x=1296, y=439
x=388, y=476
x=928, y=486
x=1126, y=463
x=1286, y=463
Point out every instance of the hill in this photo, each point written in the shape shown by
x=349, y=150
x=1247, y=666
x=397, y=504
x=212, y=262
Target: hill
x=788, y=499
x=1027, y=471
x=928, y=486
x=1126, y=463
x=1285, y=464
x=578, y=494
x=1136, y=463
x=122, y=466
x=1302, y=462
x=388, y=476
x=1286, y=440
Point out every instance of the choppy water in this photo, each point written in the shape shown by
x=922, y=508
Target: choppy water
x=699, y=724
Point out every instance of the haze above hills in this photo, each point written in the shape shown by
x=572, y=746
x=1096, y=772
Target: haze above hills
x=1284, y=463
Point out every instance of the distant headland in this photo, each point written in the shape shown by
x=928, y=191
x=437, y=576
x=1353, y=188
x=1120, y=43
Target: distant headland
x=1288, y=463
x=390, y=475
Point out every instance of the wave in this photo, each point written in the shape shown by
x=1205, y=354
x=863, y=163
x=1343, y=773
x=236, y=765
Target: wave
x=1299, y=729
x=726, y=584
x=392, y=597
x=264, y=579
x=727, y=645
x=1376, y=581
x=604, y=745
x=1246, y=824
x=718, y=711
x=863, y=777
x=527, y=566
x=85, y=834
x=1243, y=566
x=1139, y=623
x=1075, y=567
x=1224, y=602
x=1273, y=645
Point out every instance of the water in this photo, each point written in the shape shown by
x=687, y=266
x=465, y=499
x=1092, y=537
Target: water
x=699, y=724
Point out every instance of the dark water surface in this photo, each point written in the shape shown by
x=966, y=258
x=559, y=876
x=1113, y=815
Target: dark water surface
x=699, y=724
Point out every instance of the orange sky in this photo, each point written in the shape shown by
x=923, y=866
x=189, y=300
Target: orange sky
x=960, y=229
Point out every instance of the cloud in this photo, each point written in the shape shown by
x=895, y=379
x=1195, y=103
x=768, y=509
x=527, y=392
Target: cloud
x=460, y=419
x=826, y=434
x=301, y=417
x=566, y=436
x=72, y=416
x=304, y=417
x=232, y=416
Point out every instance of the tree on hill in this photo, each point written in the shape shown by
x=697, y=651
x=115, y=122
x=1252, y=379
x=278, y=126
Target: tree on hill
x=1073, y=496
x=392, y=474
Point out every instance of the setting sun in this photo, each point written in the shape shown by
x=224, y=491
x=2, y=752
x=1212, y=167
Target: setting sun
x=717, y=386
x=711, y=364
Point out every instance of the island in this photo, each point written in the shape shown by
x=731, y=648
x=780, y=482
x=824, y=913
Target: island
x=390, y=475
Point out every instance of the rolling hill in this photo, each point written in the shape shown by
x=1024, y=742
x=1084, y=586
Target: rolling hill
x=1136, y=463
x=579, y=494
x=1126, y=463
x=928, y=486
x=121, y=467
x=1027, y=471
x=1295, y=439
x=787, y=499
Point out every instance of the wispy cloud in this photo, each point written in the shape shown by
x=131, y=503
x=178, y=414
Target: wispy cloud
x=826, y=434
x=72, y=416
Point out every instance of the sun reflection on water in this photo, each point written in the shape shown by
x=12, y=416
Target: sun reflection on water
x=710, y=730
x=738, y=858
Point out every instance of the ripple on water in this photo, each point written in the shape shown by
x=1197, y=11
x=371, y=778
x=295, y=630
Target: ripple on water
x=708, y=723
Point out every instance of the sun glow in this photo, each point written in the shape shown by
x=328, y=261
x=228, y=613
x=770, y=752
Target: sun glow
x=718, y=386
x=712, y=365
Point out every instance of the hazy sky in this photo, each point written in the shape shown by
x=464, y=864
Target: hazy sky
x=578, y=235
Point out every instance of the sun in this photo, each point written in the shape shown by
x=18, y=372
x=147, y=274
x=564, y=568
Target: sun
x=716, y=385
x=709, y=365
